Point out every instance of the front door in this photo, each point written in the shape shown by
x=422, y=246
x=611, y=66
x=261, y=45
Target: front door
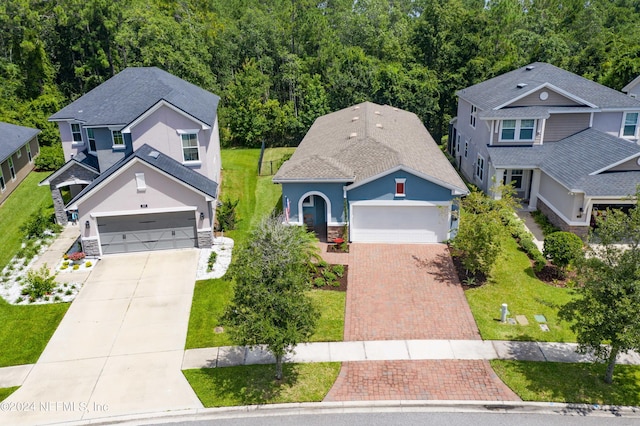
x=519, y=178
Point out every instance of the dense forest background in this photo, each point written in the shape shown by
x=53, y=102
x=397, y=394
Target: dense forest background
x=279, y=64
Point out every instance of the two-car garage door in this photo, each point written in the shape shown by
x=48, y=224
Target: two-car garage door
x=157, y=231
x=399, y=224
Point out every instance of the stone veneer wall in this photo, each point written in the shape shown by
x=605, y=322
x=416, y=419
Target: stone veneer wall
x=334, y=232
x=580, y=231
x=91, y=247
x=75, y=171
x=205, y=239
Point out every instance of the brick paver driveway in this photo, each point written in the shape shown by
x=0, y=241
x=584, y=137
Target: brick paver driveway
x=410, y=292
x=405, y=291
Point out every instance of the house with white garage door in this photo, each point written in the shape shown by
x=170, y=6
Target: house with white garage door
x=142, y=164
x=376, y=169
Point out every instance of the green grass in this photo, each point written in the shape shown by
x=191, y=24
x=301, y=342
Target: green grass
x=571, y=383
x=24, y=329
x=26, y=200
x=331, y=305
x=255, y=384
x=512, y=282
x=5, y=392
x=212, y=296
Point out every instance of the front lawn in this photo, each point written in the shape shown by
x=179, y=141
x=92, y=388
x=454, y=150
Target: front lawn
x=27, y=199
x=571, y=383
x=211, y=297
x=512, y=282
x=255, y=384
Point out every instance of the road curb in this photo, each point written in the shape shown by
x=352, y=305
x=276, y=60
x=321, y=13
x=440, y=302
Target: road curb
x=350, y=407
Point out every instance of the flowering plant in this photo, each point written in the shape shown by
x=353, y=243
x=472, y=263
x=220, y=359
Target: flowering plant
x=77, y=256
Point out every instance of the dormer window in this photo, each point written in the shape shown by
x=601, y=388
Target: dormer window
x=517, y=130
x=630, y=125
x=400, y=187
x=118, y=139
x=76, y=133
x=474, y=115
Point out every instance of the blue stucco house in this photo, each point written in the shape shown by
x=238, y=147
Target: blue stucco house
x=375, y=171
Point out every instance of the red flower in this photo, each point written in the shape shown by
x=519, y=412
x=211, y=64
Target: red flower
x=77, y=256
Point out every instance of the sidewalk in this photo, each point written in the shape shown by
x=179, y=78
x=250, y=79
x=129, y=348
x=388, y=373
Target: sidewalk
x=63, y=242
x=532, y=226
x=391, y=350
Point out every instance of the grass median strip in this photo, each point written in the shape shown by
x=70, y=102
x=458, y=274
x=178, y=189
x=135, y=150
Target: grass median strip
x=255, y=384
x=570, y=383
x=5, y=392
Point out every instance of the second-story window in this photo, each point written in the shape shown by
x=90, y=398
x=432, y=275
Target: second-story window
x=76, y=132
x=92, y=140
x=474, y=114
x=517, y=130
x=630, y=126
x=118, y=139
x=190, y=147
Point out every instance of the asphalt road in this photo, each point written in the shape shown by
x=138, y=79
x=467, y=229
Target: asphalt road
x=430, y=419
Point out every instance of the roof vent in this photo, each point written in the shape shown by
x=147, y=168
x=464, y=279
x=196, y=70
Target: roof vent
x=353, y=135
x=521, y=85
x=530, y=67
x=395, y=109
x=355, y=119
x=356, y=107
x=154, y=154
x=377, y=113
x=379, y=126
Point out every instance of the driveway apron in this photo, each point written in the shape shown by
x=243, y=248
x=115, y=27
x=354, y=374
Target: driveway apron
x=119, y=348
x=405, y=291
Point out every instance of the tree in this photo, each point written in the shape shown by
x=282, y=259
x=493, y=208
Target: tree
x=481, y=231
x=270, y=305
x=605, y=312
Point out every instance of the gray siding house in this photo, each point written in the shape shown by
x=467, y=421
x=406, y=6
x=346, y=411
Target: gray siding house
x=142, y=164
x=18, y=147
x=567, y=144
x=376, y=169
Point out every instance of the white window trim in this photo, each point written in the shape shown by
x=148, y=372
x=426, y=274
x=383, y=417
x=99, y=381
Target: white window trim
x=4, y=181
x=516, y=135
x=73, y=141
x=473, y=116
x=479, y=176
x=403, y=181
x=309, y=203
x=141, y=185
x=113, y=140
x=29, y=152
x=182, y=132
x=12, y=169
x=622, y=125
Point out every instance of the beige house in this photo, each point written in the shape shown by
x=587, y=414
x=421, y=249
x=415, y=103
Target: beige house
x=568, y=145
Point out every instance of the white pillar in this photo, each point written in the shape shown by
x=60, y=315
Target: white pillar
x=535, y=188
x=498, y=177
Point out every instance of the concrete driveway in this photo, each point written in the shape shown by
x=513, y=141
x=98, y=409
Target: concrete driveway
x=120, y=346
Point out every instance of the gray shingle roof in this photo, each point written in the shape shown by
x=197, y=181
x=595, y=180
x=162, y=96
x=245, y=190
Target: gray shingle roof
x=13, y=137
x=515, y=113
x=162, y=162
x=572, y=160
x=501, y=89
x=365, y=140
x=128, y=94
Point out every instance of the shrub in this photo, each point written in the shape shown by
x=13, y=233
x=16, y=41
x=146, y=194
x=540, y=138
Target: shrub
x=335, y=284
x=39, y=283
x=51, y=158
x=338, y=270
x=19, y=300
x=562, y=248
x=543, y=222
x=76, y=267
x=76, y=256
x=57, y=299
x=328, y=275
x=37, y=224
x=88, y=264
x=212, y=261
x=319, y=282
x=226, y=215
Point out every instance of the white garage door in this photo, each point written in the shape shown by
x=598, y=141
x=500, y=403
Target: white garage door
x=158, y=231
x=399, y=224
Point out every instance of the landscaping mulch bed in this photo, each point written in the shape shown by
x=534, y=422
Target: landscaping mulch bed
x=551, y=275
x=342, y=280
x=467, y=280
x=337, y=248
